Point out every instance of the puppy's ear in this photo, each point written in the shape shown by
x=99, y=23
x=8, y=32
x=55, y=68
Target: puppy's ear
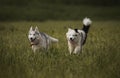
x=31, y=28
x=36, y=29
x=69, y=29
x=76, y=30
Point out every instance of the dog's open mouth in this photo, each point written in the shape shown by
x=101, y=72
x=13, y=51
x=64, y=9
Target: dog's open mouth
x=32, y=40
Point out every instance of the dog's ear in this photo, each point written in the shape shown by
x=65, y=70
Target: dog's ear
x=69, y=29
x=36, y=29
x=76, y=30
x=31, y=28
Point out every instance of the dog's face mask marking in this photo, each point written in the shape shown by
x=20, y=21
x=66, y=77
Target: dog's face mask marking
x=72, y=35
x=33, y=34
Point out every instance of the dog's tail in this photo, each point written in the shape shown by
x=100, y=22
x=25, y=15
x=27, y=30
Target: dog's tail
x=54, y=40
x=86, y=24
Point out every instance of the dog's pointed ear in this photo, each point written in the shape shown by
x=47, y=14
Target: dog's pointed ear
x=31, y=28
x=69, y=29
x=36, y=29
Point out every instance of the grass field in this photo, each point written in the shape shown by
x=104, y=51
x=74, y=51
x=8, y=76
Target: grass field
x=100, y=57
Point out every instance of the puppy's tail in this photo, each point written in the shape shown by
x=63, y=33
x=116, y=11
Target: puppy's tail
x=54, y=40
x=86, y=24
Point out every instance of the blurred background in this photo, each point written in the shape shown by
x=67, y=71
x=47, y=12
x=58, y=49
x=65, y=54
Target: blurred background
x=41, y=10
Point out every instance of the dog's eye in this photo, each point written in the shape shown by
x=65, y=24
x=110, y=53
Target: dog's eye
x=33, y=34
x=75, y=35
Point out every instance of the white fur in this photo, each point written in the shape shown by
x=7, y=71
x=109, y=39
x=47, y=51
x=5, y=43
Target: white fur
x=87, y=21
x=40, y=40
x=74, y=40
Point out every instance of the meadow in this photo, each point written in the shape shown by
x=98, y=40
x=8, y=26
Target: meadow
x=100, y=55
x=99, y=58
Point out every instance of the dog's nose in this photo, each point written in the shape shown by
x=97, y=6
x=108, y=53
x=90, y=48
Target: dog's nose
x=71, y=39
x=31, y=38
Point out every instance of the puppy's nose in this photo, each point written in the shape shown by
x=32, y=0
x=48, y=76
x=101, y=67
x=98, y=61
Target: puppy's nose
x=71, y=39
x=31, y=38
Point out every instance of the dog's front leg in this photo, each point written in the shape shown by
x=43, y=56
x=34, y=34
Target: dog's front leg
x=34, y=49
x=70, y=48
x=77, y=49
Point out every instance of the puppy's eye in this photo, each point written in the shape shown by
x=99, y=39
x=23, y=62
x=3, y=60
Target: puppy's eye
x=33, y=34
x=75, y=35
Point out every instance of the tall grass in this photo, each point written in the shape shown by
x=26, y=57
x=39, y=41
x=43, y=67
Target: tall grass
x=99, y=58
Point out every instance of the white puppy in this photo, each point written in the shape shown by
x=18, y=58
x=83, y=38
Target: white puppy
x=40, y=40
x=77, y=38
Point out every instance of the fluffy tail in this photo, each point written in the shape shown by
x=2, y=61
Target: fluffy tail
x=54, y=40
x=86, y=24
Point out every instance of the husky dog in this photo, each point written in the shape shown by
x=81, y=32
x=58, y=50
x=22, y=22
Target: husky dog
x=77, y=38
x=40, y=40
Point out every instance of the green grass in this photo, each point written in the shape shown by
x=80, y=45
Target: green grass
x=99, y=58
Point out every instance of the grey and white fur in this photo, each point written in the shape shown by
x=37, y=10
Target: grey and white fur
x=39, y=40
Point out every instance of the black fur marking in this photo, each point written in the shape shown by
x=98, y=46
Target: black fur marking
x=85, y=39
x=76, y=30
x=86, y=28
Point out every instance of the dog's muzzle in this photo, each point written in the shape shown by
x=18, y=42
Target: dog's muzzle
x=32, y=39
x=35, y=42
x=71, y=39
